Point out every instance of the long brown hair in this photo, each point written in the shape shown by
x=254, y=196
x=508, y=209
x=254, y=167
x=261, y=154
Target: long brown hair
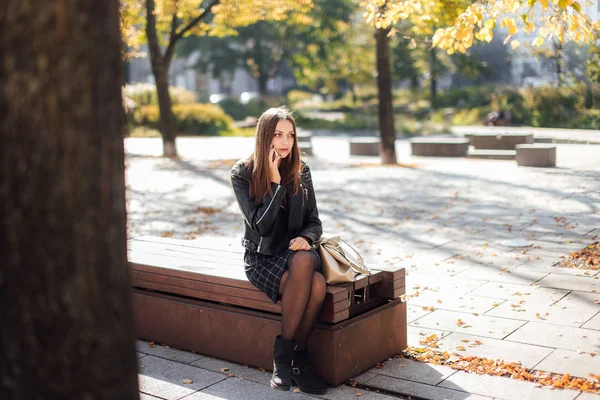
x=290, y=166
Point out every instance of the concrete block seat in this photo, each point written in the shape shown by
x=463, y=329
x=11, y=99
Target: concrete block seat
x=439, y=147
x=499, y=141
x=304, y=137
x=306, y=148
x=364, y=146
x=536, y=155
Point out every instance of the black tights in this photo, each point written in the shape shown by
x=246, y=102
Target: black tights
x=302, y=292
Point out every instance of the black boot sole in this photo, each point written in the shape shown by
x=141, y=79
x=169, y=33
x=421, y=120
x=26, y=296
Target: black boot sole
x=280, y=387
x=309, y=391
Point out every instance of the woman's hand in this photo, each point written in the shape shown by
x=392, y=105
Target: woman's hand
x=299, y=243
x=274, y=158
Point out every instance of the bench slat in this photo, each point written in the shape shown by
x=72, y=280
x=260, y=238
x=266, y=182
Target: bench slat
x=199, y=285
x=226, y=244
x=188, y=252
x=199, y=294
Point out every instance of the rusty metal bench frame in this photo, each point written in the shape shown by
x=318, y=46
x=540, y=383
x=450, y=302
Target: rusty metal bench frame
x=195, y=297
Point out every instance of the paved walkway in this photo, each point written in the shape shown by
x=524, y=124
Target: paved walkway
x=457, y=225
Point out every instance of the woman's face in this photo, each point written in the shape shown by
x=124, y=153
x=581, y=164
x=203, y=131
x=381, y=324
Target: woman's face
x=283, y=138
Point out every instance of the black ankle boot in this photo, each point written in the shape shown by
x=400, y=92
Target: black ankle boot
x=303, y=376
x=282, y=363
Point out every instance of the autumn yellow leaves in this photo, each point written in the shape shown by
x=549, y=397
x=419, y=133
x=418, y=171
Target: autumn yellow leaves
x=455, y=24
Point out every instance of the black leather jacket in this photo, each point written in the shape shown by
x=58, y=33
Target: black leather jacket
x=264, y=232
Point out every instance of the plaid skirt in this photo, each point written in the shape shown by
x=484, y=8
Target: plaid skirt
x=265, y=272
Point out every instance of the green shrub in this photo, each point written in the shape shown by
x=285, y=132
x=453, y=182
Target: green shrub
x=472, y=116
x=254, y=108
x=588, y=119
x=552, y=107
x=295, y=96
x=469, y=97
x=194, y=119
x=144, y=94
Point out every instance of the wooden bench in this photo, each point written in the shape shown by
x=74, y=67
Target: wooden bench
x=364, y=146
x=536, y=155
x=194, y=295
x=439, y=147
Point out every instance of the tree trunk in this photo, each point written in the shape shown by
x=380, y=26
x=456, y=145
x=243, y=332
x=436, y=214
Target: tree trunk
x=414, y=83
x=262, y=63
x=66, y=325
x=160, y=69
x=167, y=126
x=433, y=72
x=558, y=48
x=263, y=78
x=384, y=87
x=354, y=90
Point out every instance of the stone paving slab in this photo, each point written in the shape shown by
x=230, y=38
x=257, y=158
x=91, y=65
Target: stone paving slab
x=235, y=388
x=558, y=315
x=544, y=266
x=164, y=378
x=504, y=388
x=415, y=371
x=443, y=268
x=562, y=337
x=580, y=300
x=427, y=391
x=517, y=293
x=478, y=325
x=593, y=323
x=587, y=396
x=240, y=371
x=168, y=353
x=144, y=396
x=364, y=377
x=584, y=284
x=414, y=312
x=571, y=362
x=447, y=300
x=496, y=274
x=528, y=355
x=423, y=282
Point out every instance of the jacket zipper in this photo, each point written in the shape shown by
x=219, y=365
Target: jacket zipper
x=259, y=244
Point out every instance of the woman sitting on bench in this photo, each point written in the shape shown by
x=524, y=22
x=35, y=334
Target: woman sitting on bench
x=274, y=190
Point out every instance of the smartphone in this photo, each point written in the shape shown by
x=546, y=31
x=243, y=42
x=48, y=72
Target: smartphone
x=276, y=153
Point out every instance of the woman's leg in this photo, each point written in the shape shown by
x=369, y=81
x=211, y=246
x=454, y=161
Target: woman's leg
x=312, y=310
x=295, y=289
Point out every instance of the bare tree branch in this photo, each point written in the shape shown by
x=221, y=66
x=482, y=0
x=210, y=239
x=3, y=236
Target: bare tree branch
x=175, y=38
x=174, y=25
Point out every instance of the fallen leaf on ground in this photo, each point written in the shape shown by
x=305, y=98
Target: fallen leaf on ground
x=497, y=367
